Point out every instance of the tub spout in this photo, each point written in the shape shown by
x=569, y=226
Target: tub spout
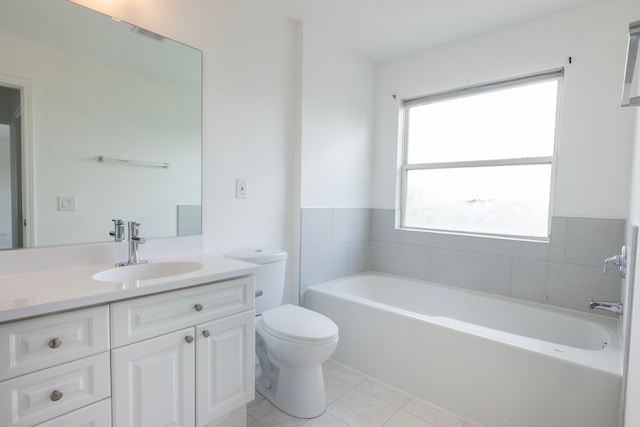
x=611, y=307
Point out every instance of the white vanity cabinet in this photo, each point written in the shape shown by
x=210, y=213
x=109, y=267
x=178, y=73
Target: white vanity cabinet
x=183, y=358
x=225, y=368
x=154, y=382
x=54, y=365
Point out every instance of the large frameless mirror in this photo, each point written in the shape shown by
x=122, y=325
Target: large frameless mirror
x=78, y=87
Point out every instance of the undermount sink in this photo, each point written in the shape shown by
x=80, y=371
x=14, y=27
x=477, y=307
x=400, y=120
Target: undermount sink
x=147, y=271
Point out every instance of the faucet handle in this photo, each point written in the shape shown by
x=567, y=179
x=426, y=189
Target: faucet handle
x=619, y=261
x=134, y=228
x=615, y=260
x=118, y=230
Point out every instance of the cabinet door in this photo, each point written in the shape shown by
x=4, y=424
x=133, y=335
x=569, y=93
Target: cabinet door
x=225, y=366
x=153, y=382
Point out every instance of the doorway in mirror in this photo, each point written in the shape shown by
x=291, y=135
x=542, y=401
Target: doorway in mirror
x=12, y=219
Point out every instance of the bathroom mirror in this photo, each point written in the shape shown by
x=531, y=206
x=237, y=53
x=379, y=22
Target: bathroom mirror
x=77, y=86
x=630, y=89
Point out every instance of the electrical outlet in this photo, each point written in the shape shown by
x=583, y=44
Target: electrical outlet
x=241, y=188
x=66, y=203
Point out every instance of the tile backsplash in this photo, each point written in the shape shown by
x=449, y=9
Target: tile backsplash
x=564, y=272
x=334, y=243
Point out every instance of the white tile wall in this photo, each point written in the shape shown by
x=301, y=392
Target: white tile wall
x=589, y=241
x=472, y=270
x=334, y=244
x=402, y=259
x=564, y=272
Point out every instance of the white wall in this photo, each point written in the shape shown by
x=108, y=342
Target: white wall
x=594, y=137
x=337, y=124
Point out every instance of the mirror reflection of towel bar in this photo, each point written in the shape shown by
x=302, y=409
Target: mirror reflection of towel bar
x=133, y=162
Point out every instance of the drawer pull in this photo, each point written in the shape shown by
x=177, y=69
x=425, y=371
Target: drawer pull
x=198, y=307
x=55, y=343
x=56, y=395
x=206, y=333
x=189, y=339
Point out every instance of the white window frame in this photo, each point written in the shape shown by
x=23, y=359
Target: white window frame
x=555, y=74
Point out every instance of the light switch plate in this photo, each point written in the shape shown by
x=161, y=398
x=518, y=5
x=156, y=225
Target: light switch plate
x=66, y=203
x=241, y=188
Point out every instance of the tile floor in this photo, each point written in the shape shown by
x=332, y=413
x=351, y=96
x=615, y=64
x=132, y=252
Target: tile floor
x=355, y=400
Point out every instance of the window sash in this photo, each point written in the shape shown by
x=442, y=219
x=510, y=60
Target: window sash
x=468, y=91
x=505, y=223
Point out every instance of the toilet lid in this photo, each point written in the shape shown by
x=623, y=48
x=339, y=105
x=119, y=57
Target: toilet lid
x=291, y=322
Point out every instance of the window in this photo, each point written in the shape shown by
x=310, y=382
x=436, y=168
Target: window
x=481, y=159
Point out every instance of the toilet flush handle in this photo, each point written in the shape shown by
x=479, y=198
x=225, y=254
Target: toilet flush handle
x=258, y=294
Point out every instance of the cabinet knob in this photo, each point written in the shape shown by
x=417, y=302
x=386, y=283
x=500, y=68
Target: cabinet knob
x=55, y=343
x=56, y=395
x=189, y=339
x=198, y=307
x=206, y=333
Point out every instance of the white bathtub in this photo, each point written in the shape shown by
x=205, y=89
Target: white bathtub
x=499, y=361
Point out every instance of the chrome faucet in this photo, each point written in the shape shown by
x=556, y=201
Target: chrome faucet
x=134, y=241
x=611, y=307
x=619, y=261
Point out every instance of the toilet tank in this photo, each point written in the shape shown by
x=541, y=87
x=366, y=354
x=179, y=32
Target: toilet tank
x=270, y=278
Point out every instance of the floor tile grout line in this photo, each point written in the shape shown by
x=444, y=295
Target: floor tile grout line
x=391, y=417
x=357, y=385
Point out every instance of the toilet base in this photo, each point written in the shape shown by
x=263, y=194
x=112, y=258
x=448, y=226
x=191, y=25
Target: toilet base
x=298, y=391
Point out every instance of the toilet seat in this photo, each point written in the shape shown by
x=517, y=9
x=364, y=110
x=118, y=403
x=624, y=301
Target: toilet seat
x=297, y=324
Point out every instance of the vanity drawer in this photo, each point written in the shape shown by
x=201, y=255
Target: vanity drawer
x=43, y=395
x=95, y=415
x=42, y=342
x=146, y=317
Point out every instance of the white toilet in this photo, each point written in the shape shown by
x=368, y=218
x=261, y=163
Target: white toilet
x=292, y=342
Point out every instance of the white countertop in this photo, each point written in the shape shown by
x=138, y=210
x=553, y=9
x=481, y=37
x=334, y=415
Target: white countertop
x=44, y=292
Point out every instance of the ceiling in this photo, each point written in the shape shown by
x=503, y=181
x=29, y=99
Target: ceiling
x=384, y=29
